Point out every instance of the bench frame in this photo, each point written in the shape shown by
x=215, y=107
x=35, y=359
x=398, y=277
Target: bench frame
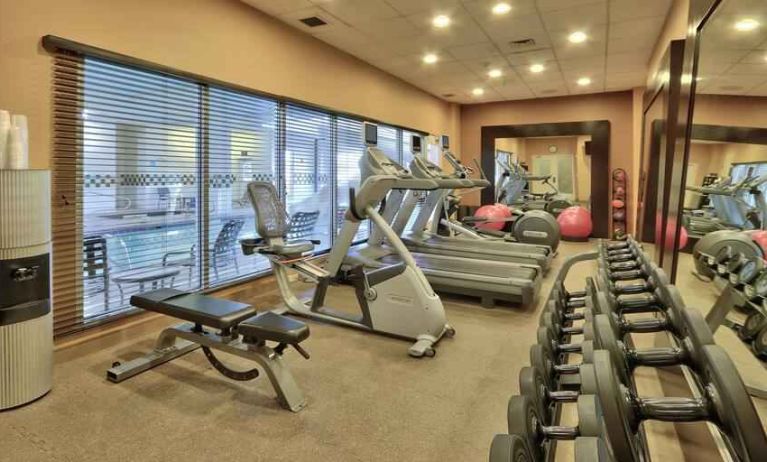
x=183, y=338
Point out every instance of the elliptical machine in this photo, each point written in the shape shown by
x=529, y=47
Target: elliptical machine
x=511, y=190
x=528, y=227
x=395, y=300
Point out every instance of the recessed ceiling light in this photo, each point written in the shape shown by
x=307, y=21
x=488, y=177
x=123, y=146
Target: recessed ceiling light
x=430, y=58
x=745, y=25
x=537, y=68
x=478, y=91
x=577, y=37
x=494, y=73
x=441, y=21
x=501, y=8
x=583, y=81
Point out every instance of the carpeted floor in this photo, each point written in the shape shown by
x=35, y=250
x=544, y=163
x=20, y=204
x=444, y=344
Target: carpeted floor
x=367, y=400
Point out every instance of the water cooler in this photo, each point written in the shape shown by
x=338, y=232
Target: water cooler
x=26, y=324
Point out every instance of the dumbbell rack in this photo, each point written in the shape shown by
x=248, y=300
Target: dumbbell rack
x=730, y=296
x=606, y=372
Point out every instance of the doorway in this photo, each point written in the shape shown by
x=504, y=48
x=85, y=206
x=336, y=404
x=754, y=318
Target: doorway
x=561, y=170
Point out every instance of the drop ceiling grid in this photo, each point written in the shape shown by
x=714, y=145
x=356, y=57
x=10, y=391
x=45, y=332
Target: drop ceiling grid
x=394, y=34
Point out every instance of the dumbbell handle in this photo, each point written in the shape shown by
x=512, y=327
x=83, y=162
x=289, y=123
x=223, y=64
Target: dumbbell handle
x=568, y=330
x=619, y=257
x=556, y=432
x=576, y=303
x=568, y=347
x=645, y=326
x=656, y=357
x=673, y=409
x=577, y=294
x=562, y=396
x=625, y=275
x=631, y=288
x=567, y=369
x=574, y=316
x=624, y=265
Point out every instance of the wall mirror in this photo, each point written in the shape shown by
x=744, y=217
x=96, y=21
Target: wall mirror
x=722, y=200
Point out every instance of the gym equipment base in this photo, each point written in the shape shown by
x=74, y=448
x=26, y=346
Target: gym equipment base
x=181, y=339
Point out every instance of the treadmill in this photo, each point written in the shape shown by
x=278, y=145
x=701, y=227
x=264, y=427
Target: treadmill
x=418, y=239
x=489, y=280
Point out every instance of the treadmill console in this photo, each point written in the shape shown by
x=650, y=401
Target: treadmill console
x=445, y=141
x=371, y=134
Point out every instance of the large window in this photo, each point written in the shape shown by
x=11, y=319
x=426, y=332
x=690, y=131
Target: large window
x=152, y=171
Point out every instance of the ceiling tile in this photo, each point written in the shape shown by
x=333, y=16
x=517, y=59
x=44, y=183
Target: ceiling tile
x=749, y=69
x=462, y=30
x=514, y=91
x=389, y=29
x=523, y=26
x=576, y=17
x=760, y=90
x=553, y=5
x=480, y=67
x=474, y=51
x=581, y=51
x=276, y=8
x=426, y=7
x=645, y=30
x=623, y=10
x=293, y=19
x=720, y=34
x=755, y=57
x=354, y=12
x=482, y=10
x=624, y=80
x=593, y=64
x=527, y=58
x=625, y=62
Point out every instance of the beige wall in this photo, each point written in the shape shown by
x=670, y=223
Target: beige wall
x=615, y=107
x=222, y=39
x=738, y=111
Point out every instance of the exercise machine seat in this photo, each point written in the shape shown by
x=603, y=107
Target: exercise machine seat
x=274, y=327
x=292, y=248
x=195, y=308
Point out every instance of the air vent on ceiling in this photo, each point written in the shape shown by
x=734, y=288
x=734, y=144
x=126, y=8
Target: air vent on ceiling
x=524, y=43
x=448, y=95
x=550, y=91
x=313, y=21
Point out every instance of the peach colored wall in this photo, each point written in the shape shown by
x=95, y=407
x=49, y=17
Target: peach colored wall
x=674, y=28
x=615, y=107
x=739, y=111
x=222, y=39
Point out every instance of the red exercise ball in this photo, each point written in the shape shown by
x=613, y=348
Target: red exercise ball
x=491, y=213
x=618, y=204
x=670, y=229
x=575, y=223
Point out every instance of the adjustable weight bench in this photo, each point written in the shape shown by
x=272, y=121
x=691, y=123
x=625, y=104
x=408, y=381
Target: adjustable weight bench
x=216, y=324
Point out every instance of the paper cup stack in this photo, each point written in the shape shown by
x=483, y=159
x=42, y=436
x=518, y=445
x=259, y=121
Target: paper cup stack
x=14, y=141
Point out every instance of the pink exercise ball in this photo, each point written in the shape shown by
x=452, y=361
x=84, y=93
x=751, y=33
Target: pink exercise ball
x=575, y=223
x=491, y=212
x=618, y=204
x=760, y=237
x=683, y=236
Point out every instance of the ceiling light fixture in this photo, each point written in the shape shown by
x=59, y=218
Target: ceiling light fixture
x=746, y=25
x=537, y=68
x=501, y=8
x=577, y=37
x=584, y=81
x=430, y=58
x=478, y=91
x=494, y=73
x=441, y=21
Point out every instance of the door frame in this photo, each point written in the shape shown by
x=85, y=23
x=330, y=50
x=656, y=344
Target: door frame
x=599, y=130
x=555, y=172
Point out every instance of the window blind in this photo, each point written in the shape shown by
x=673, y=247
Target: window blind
x=150, y=173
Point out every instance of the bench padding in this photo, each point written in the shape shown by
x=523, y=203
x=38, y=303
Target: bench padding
x=269, y=326
x=199, y=309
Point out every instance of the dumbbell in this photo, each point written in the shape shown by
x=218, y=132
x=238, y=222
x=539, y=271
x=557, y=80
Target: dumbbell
x=555, y=374
x=566, y=299
x=548, y=339
x=545, y=395
x=626, y=358
x=754, y=323
x=656, y=278
x=612, y=246
x=640, y=272
x=512, y=448
x=724, y=401
x=748, y=271
x=525, y=422
x=563, y=318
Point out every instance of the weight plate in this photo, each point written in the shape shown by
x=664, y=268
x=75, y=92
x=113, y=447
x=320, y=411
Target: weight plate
x=589, y=449
x=590, y=421
x=760, y=285
x=607, y=338
x=620, y=420
x=512, y=448
x=698, y=335
x=754, y=323
x=545, y=340
x=736, y=262
x=587, y=351
x=724, y=254
x=588, y=379
x=540, y=362
x=532, y=385
x=759, y=343
x=734, y=409
x=524, y=421
x=670, y=297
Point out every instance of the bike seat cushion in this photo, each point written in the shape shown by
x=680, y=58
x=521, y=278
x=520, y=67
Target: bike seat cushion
x=197, y=308
x=274, y=327
x=292, y=248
